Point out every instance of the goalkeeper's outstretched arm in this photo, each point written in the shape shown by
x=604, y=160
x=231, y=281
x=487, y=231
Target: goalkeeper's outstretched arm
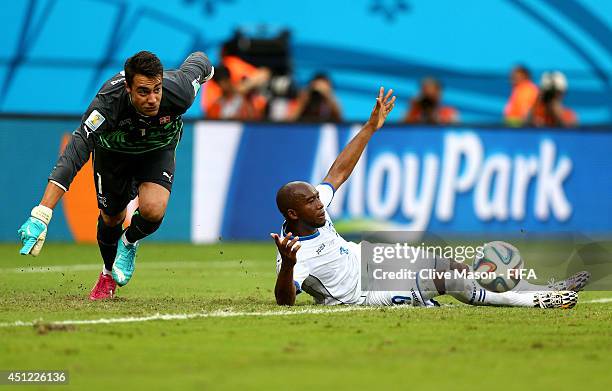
x=34, y=231
x=344, y=164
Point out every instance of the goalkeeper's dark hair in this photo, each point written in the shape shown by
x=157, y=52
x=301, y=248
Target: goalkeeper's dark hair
x=142, y=63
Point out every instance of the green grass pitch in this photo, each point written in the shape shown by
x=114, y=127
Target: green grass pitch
x=449, y=348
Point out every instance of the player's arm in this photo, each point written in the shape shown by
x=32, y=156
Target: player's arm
x=181, y=86
x=285, y=290
x=344, y=164
x=34, y=231
x=75, y=155
x=198, y=67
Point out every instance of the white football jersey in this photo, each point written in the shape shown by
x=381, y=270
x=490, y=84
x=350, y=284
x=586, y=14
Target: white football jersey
x=328, y=267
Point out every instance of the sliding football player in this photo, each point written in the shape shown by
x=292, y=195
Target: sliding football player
x=313, y=258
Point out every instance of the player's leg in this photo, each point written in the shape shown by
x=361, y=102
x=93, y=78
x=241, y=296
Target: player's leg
x=415, y=291
x=576, y=282
x=114, y=191
x=153, y=172
x=468, y=291
x=152, y=202
x=109, y=230
x=426, y=286
x=391, y=298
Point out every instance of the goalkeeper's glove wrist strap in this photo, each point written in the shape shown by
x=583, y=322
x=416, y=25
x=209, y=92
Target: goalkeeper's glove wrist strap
x=42, y=213
x=210, y=75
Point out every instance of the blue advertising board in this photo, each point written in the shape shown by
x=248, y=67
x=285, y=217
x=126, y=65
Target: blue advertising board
x=413, y=178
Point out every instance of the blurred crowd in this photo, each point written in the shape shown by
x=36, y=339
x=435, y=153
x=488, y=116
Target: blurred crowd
x=243, y=91
x=538, y=105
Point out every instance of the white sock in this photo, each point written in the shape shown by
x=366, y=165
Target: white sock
x=510, y=299
x=106, y=272
x=468, y=291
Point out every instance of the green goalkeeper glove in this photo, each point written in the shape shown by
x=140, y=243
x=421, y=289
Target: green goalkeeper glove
x=34, y=231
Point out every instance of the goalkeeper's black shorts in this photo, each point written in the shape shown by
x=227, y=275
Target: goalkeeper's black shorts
x=118, y=175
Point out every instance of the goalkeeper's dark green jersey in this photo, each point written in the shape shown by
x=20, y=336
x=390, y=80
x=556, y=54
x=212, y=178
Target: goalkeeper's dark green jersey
x=112, y=123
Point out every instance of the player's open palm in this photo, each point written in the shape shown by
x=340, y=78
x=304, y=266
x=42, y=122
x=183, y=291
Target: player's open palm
x=382, y=108
x=288, y=248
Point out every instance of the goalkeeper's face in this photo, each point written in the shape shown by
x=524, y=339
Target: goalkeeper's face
x=146, y=93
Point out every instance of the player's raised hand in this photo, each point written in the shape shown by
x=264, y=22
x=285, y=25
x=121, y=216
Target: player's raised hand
x=287, y=247
x=382, y=108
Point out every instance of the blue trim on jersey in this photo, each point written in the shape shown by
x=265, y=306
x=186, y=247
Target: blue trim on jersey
x=298, y=288
x=330, y=185
x=333, y=192
x=307, y=237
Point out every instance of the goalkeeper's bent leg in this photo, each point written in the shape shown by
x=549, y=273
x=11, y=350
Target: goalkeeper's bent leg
x=108, y=236
x=140, y=227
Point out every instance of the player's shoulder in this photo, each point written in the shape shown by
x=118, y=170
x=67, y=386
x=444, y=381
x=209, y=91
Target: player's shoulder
x=174, y=83
x=326, y=192
x=111, y=95
x=107, y=105
x=114, y=86
x=178, y=92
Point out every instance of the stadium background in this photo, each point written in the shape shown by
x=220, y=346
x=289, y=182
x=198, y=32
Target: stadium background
x=56, y=56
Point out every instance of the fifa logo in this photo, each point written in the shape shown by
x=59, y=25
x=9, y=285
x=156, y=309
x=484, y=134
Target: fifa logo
x=95, y=120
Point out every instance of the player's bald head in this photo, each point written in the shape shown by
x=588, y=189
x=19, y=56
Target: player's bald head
x=292, y=195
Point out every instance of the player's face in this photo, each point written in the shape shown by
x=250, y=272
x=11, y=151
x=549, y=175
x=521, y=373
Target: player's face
x=146, y=94
x=311, y=210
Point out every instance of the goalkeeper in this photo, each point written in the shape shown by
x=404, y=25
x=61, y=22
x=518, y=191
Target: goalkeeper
x=132, y=129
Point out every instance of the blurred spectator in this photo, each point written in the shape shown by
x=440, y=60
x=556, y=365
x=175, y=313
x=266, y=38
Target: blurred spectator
x=317, y=102
x=523, y=96
x=548, y=109
x=238, y=70
x=282, y=98
x=427, y=107
x=239, y=102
